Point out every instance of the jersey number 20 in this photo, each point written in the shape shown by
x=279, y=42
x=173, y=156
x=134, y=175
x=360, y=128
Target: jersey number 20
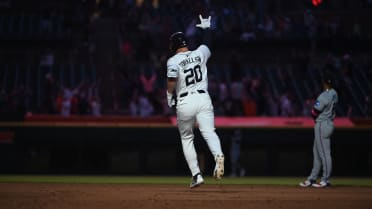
x=193, y=75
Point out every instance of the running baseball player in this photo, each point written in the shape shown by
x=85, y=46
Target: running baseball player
x=187, y=91
x=323, y=113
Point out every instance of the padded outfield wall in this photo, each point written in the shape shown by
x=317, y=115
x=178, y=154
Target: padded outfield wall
x=127, y=146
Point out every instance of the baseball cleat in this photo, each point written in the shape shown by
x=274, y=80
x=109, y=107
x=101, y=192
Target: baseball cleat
x=196, y=180
x=219, y=169
x=307, y=183
x=321, y=184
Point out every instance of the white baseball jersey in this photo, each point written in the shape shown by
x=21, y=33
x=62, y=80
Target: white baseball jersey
x=194, y=103
x=190, y=68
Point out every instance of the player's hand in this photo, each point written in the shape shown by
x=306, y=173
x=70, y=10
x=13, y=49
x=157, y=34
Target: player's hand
x=204, y=23
x=172, y=101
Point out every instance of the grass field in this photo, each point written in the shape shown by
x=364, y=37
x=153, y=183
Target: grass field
x=288, y=181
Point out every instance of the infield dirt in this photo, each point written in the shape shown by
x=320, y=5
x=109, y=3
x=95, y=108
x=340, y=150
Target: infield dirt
x=112, y=196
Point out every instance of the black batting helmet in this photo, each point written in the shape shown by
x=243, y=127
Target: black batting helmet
x=177, y=40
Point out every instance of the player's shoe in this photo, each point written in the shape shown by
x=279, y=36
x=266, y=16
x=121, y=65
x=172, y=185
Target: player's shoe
x=196, y=180
x=307, y=183
x=321, y=184
x=219, y=169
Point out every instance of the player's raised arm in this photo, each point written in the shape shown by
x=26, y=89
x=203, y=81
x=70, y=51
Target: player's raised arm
x=205, y=24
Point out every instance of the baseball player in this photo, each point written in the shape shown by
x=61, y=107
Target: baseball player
x=323, y=113
x=187, y=91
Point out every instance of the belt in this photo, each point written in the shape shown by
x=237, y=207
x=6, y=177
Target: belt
x=186, y=93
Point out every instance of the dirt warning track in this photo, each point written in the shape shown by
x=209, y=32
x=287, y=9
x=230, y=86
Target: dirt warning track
x=112, y=196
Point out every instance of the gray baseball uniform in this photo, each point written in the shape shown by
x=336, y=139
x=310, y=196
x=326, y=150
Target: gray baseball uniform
x=323, y=129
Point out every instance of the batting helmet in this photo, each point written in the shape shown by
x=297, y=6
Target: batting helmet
x=177, y=40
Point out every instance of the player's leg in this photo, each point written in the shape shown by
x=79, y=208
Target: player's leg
x=327, y=129
x=316, y=161
x=185, y=127
x=186, y=121
x=205, y=119
x=324, y=148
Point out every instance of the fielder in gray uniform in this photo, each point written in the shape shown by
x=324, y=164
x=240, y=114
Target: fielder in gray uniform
x=323, y=113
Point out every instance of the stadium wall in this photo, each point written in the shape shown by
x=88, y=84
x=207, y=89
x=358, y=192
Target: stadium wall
x=155, y=149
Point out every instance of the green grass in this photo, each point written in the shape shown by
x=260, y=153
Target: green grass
x=289, y=181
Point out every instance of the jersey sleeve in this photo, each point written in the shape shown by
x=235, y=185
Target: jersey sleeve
x=320, y=103
x=172, y=69
x=205, y=51
x=336, y=97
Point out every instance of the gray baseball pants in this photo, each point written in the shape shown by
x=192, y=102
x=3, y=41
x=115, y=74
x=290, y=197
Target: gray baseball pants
x=322, y=150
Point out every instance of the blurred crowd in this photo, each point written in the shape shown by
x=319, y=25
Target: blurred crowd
x=236, y=90
x=58, y=99
x=145, y=28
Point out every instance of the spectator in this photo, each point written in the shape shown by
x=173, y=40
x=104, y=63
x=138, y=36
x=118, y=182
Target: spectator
x=148, y=81
x=286, y=107
x=47, y=59
x=95, y=107
x=140, y=106
x=213, y=88
x=271, y=104
x=267, y=27
x=228, y=107
x=237, y=90
x=249, y=106
x=223, y=90
x=145, y=107
x=306, y=109
x=82, y=98
x=51, y=91
x=66, y=106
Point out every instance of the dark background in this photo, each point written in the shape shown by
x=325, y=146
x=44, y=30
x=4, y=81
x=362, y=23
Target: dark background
x=98, y=59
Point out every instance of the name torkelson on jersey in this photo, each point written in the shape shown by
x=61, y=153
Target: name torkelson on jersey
x=190, y=69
